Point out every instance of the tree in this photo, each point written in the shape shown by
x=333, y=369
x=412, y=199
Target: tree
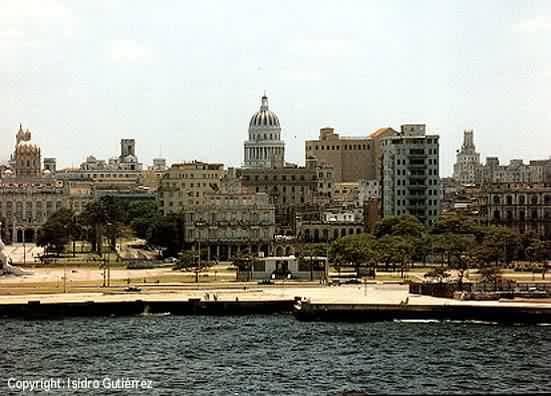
x=354, y=250
x=404, y=225
x=496, y=244
x=461, y=254
x=55, y=233
x=106, y=217
x=535, y=252
x=454, y=224
x=168, y=232
x=395, y=250
x=142, y=216
x=410, y=229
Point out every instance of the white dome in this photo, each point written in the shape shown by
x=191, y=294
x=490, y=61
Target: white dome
x=264, y=117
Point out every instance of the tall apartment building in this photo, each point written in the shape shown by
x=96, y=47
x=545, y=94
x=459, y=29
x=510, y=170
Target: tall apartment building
x=352, y=158
x=185, y=185
x=411, y=183
x=467, y=166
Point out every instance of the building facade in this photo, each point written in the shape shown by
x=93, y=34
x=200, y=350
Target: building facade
x=186, y=185
x=525, y=209
x=466, y=169
x=516, y=172
x=353, y=158
x=230, y=224
x=264, y=148
x=125, y=170
x=29, y=194
x=291, y=188
x=411, y=182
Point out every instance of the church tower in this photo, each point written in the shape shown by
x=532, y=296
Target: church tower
x=27, y=156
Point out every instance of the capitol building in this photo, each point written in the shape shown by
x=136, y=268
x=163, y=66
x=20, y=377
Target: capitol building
x=264, y=149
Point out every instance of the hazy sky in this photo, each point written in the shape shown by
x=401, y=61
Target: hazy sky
x=184, y=77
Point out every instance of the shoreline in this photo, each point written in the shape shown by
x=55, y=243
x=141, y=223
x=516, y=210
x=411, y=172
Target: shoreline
x=352, y=304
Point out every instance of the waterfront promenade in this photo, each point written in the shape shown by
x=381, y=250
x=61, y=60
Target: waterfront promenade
x=370, y=294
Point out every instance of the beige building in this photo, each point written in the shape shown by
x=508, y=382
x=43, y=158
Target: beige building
x=227, y=224
x=291, y=188
x=28, y=195
x=186, y=185
x=353, y=158
x=330, y=224
x=524, y=208
x=25, y=206
x=516, y=172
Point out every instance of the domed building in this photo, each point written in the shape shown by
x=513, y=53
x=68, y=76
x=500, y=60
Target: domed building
x=26, y=156
x=264, y=149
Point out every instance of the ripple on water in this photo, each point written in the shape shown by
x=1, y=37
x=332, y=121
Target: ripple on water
x=267, y=355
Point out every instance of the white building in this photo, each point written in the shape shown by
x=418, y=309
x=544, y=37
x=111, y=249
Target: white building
x=286, y=267
x=467, y=165
x=264, y=149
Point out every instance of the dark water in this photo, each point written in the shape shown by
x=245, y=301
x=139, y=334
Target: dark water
x=265, y=355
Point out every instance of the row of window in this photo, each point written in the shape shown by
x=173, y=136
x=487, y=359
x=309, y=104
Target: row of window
x=191, y=185
x=29, y=204
x=192, y=175
x=277, y=177
x=346, y=147
x=522, y=200
x=509, y=216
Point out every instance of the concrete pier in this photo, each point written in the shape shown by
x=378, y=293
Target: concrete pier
x=461, y=312
x=34, y=309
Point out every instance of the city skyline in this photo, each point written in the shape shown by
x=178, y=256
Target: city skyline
x=165, y=79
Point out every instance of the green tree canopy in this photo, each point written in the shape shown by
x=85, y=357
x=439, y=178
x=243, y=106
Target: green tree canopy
x=56, y=232
x=404, y=225
x=356, y=250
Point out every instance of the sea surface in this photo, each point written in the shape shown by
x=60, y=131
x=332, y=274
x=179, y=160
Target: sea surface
x=272, y=355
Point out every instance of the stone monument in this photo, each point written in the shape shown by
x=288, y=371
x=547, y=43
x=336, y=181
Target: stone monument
x=5, y=267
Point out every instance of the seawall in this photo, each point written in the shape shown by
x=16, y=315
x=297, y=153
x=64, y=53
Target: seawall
x=38, y=310
x=378, y=312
